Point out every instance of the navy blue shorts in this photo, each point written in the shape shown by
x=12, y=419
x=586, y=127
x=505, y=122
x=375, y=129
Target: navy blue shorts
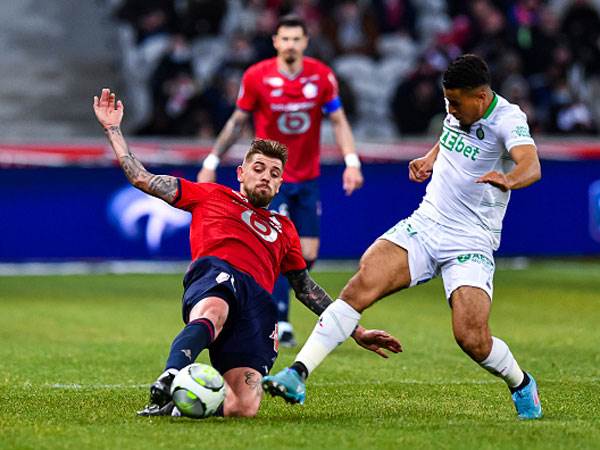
x=249, y=336
x=301, y=202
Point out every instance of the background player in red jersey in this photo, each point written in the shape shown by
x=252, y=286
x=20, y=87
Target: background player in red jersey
x=288, y=96
x=238, y=249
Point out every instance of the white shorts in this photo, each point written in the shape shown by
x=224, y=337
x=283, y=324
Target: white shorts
x=461, y=257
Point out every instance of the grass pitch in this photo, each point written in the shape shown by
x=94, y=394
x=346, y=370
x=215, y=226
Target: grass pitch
x=77, y=353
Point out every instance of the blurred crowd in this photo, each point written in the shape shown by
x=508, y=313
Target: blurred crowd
x=183, y=59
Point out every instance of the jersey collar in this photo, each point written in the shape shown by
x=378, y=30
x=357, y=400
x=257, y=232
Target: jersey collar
x=290, y=76
x=490, y=108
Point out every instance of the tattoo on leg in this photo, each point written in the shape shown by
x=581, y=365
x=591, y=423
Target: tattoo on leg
x=252, y=381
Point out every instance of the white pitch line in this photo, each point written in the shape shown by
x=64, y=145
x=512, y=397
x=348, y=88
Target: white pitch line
x=76, y=386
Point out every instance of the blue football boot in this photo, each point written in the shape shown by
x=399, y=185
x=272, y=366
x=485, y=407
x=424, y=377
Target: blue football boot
x=287, y=384
x=527, y=401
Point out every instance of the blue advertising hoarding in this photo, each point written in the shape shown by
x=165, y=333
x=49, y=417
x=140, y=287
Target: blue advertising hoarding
x=75, y=213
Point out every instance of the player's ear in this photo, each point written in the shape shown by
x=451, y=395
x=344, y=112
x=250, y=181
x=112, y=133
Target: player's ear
x=240, y=173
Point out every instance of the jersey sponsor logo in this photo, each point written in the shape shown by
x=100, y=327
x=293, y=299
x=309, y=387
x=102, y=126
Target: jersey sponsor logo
x=293, y=122
x=275, y=82
x=453, y=142
x=521, y=131
x=310, y=90
x=477, y=258
x=314, y=77
x=276, y=92
x=260, y=226
x=292, y=107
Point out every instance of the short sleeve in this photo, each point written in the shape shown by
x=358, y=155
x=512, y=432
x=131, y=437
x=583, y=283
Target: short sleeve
x=331, y=88
x=190, y=195
x=513, y=130
x=248, y=95
x=293, y=259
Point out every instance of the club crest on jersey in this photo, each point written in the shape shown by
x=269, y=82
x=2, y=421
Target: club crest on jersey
x=480, y=134
x=310, y=90
x=260, y=226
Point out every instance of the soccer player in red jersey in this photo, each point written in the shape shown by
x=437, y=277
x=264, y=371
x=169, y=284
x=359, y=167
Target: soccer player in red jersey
x=238, y=248
x=288, y=96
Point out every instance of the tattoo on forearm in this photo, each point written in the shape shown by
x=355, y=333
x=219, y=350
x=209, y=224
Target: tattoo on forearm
x=308, y=291
x=113, y=130
x=132, y=167
x=161, y=186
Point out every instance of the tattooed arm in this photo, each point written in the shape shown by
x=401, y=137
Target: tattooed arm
x=308, y=291
x=317, y=300
x=110, y=114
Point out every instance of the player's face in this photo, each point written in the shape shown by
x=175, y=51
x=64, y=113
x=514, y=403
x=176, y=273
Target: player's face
x=466, y=105
x=290, y=43
x=260, y=179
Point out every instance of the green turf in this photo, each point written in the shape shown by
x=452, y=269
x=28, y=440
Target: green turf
x=75, y=352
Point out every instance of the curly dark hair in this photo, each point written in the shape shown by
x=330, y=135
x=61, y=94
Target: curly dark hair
x=466, y=72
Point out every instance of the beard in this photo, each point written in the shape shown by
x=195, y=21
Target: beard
x=290, y=59
x=258, y=199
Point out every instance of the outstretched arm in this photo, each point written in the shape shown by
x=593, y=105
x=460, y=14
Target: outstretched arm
x=109, y=113
x=226, y=138
x=317, y=300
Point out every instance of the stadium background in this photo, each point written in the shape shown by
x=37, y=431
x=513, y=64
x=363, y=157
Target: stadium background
x=79, y=346
x=177, y=65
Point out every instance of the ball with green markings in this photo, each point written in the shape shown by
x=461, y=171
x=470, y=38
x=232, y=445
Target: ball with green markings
x=198, y=390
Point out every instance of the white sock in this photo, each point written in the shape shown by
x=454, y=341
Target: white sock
x=500, y=362
x=335, y=325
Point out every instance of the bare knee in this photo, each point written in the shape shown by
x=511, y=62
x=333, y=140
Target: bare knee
x=476, y=343
x=381, y=272
x=360, y=292
x=241, y=408
x=244, y=392
x=470, y=313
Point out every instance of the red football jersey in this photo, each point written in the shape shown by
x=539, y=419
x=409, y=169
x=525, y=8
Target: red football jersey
x=254, y=240
x=290, y=110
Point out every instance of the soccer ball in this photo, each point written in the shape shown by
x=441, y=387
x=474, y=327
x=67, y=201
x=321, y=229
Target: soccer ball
x=198, y=390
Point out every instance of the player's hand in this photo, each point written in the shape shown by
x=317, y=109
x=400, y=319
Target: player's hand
x=420, y=169
x=496, y=179
x=377, y=341
x=109, y=112
x=352, y=179
x=206, y=176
